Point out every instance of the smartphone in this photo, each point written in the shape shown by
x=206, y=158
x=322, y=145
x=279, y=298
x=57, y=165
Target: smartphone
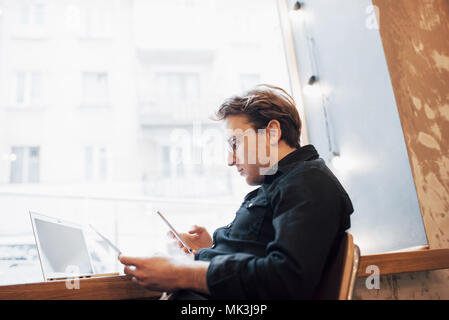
x=174, y=231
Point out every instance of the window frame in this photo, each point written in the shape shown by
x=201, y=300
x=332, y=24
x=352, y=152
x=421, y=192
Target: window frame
x=26, y=162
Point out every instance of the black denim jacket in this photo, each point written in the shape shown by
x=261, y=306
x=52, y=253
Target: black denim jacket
x=283, y=234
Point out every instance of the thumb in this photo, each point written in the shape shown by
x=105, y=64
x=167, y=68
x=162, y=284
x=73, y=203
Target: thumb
x=196, y=229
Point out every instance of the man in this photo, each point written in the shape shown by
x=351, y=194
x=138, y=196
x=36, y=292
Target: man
x=285, y=232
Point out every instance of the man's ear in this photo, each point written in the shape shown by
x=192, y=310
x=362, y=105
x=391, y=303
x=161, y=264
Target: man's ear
x=274, y=131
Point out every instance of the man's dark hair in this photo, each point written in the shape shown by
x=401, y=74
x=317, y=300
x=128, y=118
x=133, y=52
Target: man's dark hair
x=265, y=103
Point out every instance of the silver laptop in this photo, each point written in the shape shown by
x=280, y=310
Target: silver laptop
x=62, y=248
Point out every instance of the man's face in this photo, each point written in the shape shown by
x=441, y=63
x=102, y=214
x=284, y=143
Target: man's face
x=244, y=143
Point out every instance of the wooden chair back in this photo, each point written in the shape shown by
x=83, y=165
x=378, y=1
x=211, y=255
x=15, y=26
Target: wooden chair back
x=338, y=280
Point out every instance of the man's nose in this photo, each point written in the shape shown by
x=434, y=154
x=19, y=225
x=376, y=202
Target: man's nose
x=231, y=158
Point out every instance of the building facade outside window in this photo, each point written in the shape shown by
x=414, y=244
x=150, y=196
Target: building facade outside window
x=28, y=89
x=96, y=163
x=95, y=89
x=32, y=13
x=25, y=164
x=158, y=70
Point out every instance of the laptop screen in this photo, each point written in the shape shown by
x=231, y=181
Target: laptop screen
x=63, y=249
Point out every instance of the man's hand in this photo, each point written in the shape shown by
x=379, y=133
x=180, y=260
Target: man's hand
x=160, y=273
x=196, y=238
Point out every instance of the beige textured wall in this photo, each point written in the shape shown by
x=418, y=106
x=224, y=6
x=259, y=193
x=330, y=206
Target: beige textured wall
x=415, y=36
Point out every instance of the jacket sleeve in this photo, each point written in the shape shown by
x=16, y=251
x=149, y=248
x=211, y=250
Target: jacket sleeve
x=306, y=219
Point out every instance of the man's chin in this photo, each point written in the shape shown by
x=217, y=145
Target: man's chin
x=254, y=181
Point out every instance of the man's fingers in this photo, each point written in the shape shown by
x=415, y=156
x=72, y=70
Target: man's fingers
x=196, y=229
x=139, y=282
x=128, y=270
x=130, y=260
x=177, y=243
x=194, y=234
x=193, y=229
x=171, y=234
x=131, y=271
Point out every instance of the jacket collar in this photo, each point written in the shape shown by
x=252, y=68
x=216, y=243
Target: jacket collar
x=301, y=154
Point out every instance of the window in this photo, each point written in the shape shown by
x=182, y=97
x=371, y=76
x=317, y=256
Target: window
x=197, y=157
x=25, y=165
x=173, y=164
x=95, y=22
x=177, y=95
x=31, y=14
x=90, y=20
x=166, y=163
x=29, y=87
x=102, y=163
x=30, y=19
x=89, y=162
x=372, y=164
x=186, y=51
x=95, y=89
x=179, y=161
x=95, y=163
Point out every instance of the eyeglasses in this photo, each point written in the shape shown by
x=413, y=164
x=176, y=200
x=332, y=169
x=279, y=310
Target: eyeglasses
x=231, y=144
x=235, y=141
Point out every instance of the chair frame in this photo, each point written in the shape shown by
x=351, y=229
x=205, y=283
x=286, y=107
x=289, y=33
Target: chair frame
x=339, y=278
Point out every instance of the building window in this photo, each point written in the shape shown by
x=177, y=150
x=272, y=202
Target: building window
x=102, y=163
x=29, y=87
x=89, y=160
x=25, y=165
x=96, y=163
x=95, y=89
x=177, y=95
x=179, y=161
x=31, y=14
x=166, y=163
x=173, y=161
x=96, y=22
x=30, y=20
